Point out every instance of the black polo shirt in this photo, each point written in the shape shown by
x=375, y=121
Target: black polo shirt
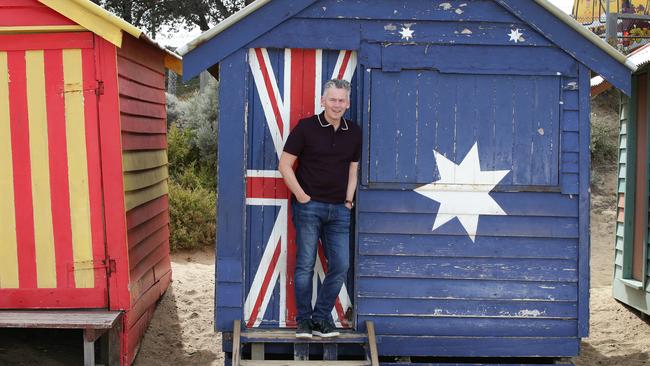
x=324, y=156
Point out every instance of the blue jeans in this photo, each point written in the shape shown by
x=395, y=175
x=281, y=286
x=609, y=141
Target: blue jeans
x=331, y=223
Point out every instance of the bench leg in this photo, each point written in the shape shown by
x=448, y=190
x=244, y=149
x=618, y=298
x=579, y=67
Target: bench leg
x=110, y=346
x=89, y=352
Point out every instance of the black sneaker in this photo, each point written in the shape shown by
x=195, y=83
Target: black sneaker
x=304, y=329
x=324, y=328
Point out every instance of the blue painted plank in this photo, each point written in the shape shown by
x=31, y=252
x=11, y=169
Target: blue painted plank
x=229, y=295
x=545, y=227
x=383, y=134
x=479, y=33
x=570, y=120
x=585, y=168
x=571, y=42
x=466, y=116
x=231, y=190
x=570, y=162
x=504, y=125
x=486, y=111
x=471, y=326
x=370, y=56
x=343, y=34
x=216, y=49
x=570, y=141
x=466, y=308
x=569, y=183
x=224, y=317
x=429, y=95
x=545, y=132
x=478, y=346
x=570, y=100
x=513, y=203
x=457, y=246
x=229, y=269
x=364, y=163
x=406, y=135
x=471, y=10
x=426, y=288
x=468, y=268
x=477, y=59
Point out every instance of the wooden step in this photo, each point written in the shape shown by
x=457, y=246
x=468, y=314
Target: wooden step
x=289, y=336
x=258, y=338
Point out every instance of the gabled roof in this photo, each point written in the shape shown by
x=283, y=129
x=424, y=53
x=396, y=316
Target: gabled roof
x=107, y=25
x=261, y=16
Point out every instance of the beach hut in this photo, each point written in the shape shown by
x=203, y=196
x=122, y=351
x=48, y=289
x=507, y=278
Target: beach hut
x=471, y=229
x=631, y=241
x=83, y=184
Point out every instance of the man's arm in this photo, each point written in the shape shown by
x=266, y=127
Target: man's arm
x=352, y=182
x=286, y=169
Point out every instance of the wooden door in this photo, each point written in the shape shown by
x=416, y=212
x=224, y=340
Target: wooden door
x=52, y=252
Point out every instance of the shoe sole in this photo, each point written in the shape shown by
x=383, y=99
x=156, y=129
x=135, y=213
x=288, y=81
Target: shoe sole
x=303, y=335
x=326, y=335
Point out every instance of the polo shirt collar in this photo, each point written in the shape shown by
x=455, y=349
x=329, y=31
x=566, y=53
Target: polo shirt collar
x=321, y=118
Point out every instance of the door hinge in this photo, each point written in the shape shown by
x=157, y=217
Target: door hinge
x=111, y=266
x=100, y=88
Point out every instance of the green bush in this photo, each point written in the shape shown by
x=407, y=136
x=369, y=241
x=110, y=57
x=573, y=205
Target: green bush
x=192, y=215
x=604, y=143
x=192, y=146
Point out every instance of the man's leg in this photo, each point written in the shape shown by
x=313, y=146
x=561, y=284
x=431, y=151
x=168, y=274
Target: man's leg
x=336, y=242
x=307, y=221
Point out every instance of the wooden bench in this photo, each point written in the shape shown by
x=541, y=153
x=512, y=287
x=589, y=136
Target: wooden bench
x=96, y=324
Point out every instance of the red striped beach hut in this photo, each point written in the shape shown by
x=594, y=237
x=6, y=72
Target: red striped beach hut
x=83, y=177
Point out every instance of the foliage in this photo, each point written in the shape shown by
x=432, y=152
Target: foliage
x=192, y=140
x=192, y=215
x=150, y=15
x=603, y=144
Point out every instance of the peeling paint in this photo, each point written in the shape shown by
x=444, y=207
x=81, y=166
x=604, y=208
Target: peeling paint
x=466, y=31
x=528, y=313
x=459, y=11
x=540, y=131
x=445, y=6
x=390, y=27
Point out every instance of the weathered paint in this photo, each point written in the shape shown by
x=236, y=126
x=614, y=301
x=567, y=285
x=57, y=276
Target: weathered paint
x=435, y=84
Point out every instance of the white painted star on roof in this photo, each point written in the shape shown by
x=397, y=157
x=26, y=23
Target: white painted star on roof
x=515, y=35
x=463, y=191
x=407, y=33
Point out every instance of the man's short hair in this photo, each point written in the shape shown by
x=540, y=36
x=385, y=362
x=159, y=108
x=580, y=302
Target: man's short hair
x=338, y=84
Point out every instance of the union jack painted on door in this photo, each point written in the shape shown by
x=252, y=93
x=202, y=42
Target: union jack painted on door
x=287, y=87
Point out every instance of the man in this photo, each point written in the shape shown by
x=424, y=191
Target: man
x=327, y=147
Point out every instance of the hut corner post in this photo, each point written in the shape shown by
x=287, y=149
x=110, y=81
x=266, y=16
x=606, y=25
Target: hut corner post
x=231, y=191
x=584, y=205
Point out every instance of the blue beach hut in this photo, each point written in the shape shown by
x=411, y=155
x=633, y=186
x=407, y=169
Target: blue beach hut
x=471, y=230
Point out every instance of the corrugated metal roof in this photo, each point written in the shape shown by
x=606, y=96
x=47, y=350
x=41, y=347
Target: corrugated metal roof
x=640, y=56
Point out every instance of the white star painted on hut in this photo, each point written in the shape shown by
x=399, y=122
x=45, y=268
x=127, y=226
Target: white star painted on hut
x=515, y=35
x=463, y=191
x=407, y=33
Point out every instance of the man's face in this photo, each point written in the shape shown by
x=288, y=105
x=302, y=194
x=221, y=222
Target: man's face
x=335, y=102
